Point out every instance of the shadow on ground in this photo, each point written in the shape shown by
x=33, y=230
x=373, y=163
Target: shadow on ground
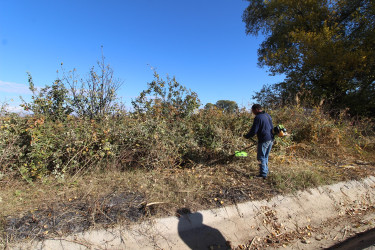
x=359, y=241
x=196, y=235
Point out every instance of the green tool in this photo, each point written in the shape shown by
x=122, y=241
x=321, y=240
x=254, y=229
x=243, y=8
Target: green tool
x=243, y=153
x=240, y=154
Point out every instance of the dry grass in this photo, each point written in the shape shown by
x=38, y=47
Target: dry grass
x=163, y=191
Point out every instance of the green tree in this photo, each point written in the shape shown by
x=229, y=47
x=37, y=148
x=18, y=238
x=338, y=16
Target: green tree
x=94, y=96
x=50, y=101
x=209, y=106
x=269, y=96
x=227, y=106
x=166, y=98
x=326, y=49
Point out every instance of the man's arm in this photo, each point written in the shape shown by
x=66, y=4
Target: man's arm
x=254, y=129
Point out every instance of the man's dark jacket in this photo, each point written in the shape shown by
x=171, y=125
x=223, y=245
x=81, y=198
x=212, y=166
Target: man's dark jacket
x=262, y=127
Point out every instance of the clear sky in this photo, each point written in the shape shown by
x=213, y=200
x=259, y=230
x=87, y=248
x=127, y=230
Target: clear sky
x=201, y=42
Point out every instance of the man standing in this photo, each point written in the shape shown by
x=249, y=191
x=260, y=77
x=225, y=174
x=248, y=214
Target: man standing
x=262, y=127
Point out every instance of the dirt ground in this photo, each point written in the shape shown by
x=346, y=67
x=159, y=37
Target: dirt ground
x=355, y=231
x=324, y=217
x=80, y=213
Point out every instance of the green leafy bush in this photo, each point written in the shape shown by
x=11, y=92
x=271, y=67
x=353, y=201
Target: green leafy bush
x=166, y=99
x=166, y=130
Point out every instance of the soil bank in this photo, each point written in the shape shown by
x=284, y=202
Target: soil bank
x=310, y=219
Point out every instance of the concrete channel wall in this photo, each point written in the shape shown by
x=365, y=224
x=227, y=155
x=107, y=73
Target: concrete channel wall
x=237, y=224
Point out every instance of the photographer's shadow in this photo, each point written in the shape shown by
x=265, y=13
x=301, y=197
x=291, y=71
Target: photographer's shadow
x=196, y=235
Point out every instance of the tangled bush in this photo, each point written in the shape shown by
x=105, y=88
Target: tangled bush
x=34, y=146
x=165, y=130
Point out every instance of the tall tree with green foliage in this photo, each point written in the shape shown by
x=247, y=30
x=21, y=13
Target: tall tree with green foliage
x=326, y=49
x=269, y=96
x=96, y=95
x=227, y=106
x=166, y=98
x=209, y=106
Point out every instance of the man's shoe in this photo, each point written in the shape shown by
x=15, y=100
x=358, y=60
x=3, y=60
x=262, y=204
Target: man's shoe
x=261, y=176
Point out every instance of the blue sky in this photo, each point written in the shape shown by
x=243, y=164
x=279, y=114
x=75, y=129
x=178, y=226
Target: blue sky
x=201, y=42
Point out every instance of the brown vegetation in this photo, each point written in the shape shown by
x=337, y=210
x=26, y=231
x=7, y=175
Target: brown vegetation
x=78, y=166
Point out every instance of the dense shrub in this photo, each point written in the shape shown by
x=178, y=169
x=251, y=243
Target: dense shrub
x=34, y=146
x=166, y=129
